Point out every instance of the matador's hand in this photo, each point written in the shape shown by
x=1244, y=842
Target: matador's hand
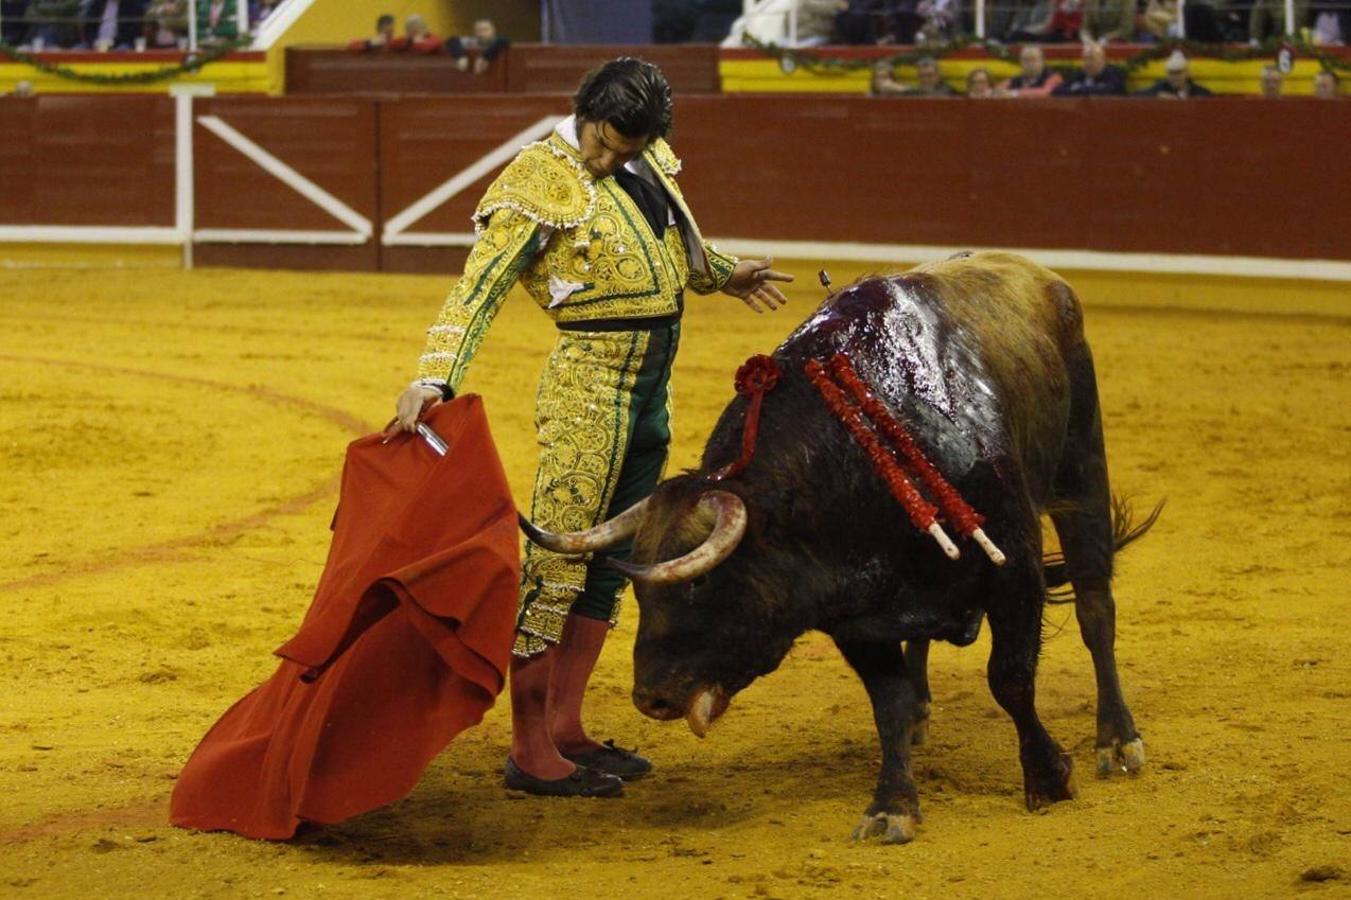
x=410, y=405
x=751, y=281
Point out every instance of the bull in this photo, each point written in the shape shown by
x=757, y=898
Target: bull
x=983, y=356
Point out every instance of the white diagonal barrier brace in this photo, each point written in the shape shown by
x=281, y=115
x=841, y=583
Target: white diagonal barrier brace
x=395, y=231
x=360, y=225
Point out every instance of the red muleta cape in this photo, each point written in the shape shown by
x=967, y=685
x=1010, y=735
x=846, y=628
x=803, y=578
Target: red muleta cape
x=405, y=645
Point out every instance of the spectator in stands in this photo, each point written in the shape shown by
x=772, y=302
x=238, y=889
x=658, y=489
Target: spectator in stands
x=979, y=84
x=416, y=37
x=166, y=23
x=939, y=21
x=383, y=38
x=929, y=82
x=1326, y=85
x=114, y=23
x=1268, y=18
x=489, y=43
x=816, y=21
x=1331, y=23
x=216, y=22
x=1035, y=80
x=1061, y=22
x=1272, y=82
x=1161, y=19
x=1108, y=20
x=1095, y=78
x=51, y=23
x=1176, y=83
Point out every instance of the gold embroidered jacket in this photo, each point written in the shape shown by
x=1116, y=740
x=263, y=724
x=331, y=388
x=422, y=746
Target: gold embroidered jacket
x=580, y=247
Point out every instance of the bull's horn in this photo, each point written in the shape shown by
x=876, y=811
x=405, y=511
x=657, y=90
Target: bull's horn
x=700, y=715
x=727, y=532
x=601, y=537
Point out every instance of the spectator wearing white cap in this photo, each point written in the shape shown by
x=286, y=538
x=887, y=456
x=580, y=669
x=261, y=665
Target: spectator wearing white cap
x=1176, y=83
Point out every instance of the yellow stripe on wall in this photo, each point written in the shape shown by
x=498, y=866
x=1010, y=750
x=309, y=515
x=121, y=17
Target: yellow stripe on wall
x=229, y=77
x=1221, y=77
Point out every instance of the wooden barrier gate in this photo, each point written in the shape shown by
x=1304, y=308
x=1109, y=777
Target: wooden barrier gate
x=388, y=184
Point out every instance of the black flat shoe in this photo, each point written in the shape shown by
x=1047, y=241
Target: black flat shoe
x=613, y=760
x=584, y=782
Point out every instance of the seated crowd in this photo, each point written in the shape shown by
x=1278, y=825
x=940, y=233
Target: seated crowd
x=40, y=25
x=484, y=45
x=1095, y=76
x=1322, y=22
x=140, y=24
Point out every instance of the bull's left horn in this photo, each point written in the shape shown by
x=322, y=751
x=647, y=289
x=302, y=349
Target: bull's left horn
x=602, y=537
x=728, y=529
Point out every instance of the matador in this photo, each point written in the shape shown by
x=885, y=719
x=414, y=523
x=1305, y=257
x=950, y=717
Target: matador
x=591, y=222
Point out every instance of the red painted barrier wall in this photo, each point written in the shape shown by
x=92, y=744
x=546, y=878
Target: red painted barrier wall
x=1223, y=176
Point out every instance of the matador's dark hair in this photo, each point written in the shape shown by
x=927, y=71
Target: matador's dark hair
x=630, y=94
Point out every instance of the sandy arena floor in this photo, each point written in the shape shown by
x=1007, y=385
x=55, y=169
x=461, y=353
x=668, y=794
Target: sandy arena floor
x=169, y=445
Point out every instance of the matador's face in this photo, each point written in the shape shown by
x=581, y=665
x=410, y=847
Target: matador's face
x=606, y=151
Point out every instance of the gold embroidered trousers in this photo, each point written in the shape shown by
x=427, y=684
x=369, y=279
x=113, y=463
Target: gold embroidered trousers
x=603, y=421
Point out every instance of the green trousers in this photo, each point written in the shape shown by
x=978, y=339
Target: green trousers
x=604, y=426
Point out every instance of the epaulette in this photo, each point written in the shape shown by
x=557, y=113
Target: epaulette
x=543, y=184
x=663, y=157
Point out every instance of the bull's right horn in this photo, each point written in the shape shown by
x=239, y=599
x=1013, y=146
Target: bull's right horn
x=602, y=537
x=728, y=529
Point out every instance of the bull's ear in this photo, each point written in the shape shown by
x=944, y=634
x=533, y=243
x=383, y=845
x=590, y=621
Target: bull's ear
x=620, y=565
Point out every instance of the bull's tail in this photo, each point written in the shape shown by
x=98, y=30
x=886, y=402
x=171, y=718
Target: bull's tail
x=1124, y=532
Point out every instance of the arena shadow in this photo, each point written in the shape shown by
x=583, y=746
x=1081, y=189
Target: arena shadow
x=469, y=819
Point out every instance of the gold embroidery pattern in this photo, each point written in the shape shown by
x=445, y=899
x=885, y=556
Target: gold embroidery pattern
x=496, y=260
x=542, y=184
x=663, y=157
x=582, y=418
x=720, y=267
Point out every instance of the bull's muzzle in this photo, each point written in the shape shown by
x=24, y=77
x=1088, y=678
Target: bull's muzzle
x=699, y=710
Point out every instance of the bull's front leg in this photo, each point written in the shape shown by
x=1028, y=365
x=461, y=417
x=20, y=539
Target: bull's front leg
x=917, y=665
x=894, y=812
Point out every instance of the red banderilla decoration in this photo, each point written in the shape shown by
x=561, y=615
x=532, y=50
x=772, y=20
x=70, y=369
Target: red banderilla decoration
x=756, y=377
x=922, y=513
x=967, y=521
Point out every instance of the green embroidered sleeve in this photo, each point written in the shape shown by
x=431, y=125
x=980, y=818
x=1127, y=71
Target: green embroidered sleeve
x=720, y=266
x=505, y=246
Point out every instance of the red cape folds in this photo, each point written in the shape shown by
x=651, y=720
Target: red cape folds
x=406, y=644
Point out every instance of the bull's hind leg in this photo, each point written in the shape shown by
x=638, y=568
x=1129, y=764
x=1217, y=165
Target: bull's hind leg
x=1015, y=630
x=1082, y=514
x=894, y=812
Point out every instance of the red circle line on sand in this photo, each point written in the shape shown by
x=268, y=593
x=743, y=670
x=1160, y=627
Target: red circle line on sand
x=220, y=533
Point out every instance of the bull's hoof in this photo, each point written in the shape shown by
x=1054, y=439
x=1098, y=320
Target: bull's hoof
x=1128, y=758
x=1060, y=785
x=891, y=828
